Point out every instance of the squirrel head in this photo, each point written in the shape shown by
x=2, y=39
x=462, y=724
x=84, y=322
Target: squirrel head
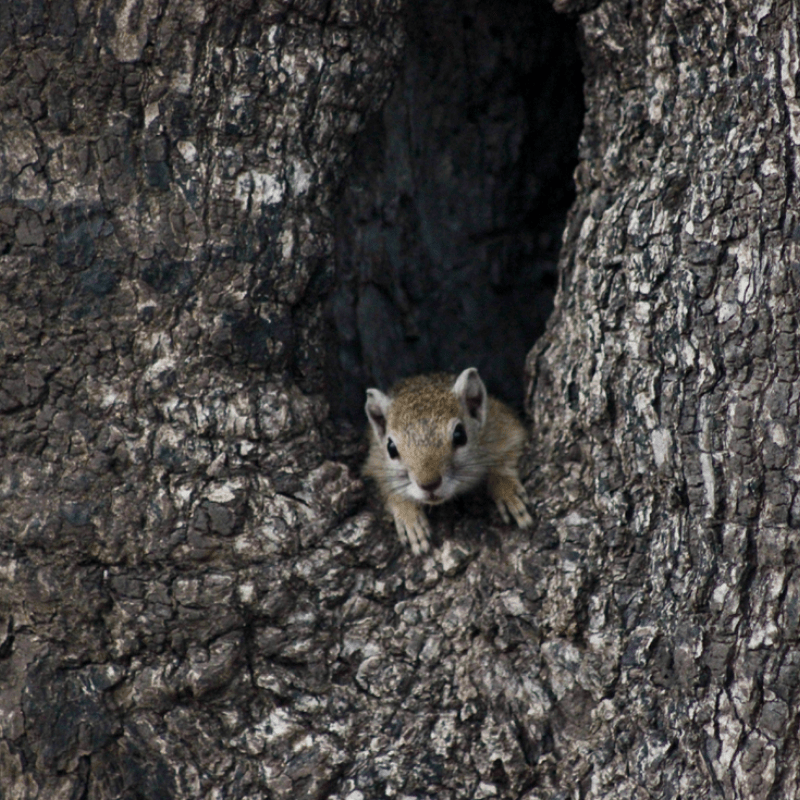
x=428, y=430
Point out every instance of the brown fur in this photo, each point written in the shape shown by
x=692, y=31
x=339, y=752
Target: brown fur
x=419, y=415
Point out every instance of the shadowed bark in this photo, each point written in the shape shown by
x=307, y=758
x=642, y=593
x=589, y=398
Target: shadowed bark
x=199, y=599
x=450, y=221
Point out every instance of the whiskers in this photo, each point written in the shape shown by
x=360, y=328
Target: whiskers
x=392, y=481
x=473, y=466
x=463, y=480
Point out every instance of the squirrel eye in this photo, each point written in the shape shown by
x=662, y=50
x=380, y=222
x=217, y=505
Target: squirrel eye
x=459, y=435
x=391, y=447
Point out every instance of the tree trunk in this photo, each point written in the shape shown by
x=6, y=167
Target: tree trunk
x=665, y=407
x=201, y=601
x=168, y=174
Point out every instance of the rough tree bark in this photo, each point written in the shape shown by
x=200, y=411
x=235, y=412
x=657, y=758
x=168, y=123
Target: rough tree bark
x=199, y=600
x=665, y=405
x=168, y=170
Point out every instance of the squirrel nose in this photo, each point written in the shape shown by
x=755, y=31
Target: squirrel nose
x=432, y=486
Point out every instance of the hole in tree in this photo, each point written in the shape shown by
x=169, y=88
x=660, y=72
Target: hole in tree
x=450, y=222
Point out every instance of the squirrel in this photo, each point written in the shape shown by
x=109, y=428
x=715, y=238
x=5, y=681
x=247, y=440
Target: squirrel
x=436, y=436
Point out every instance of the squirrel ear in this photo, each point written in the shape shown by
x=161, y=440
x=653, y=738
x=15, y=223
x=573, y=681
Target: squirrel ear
x=377, y=408
x=471, y=393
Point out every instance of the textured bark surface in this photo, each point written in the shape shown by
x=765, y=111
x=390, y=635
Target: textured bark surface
x=665, y=403
x=200, y=601
x=165, y=226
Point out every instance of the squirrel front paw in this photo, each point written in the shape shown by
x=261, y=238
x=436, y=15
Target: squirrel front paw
x=412, y=526
x=510, y=498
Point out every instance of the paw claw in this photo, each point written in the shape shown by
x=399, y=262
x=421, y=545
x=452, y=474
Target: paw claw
x=512, y=501
x=419, y=539
x=414, y=530
x=522, y=516
x=501, y=507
